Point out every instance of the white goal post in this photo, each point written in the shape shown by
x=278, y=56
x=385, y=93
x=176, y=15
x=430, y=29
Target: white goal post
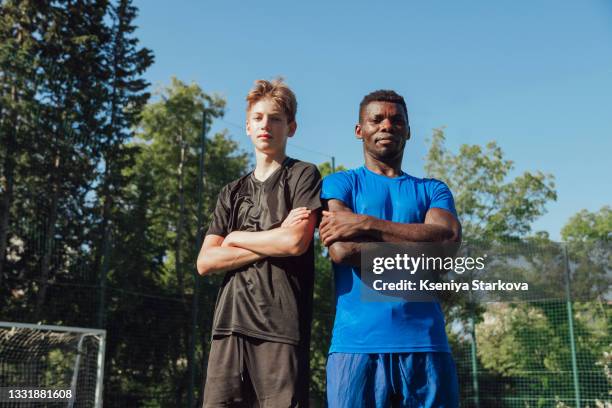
x=54, y=357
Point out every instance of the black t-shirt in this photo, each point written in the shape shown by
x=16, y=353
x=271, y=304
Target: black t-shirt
x=272, y=298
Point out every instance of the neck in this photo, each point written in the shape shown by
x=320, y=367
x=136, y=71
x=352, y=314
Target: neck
x=389, y=168
x=266, y=164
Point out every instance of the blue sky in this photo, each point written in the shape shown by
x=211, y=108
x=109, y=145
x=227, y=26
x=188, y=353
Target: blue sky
x=534, y=76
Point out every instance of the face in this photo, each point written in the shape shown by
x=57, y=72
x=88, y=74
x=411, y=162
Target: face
x=267, y=126
x=384, y=130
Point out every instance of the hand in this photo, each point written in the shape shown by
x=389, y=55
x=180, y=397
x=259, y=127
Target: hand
x=341, y=226
x=296, y=216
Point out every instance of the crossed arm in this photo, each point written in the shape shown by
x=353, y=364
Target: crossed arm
x=239, y=248
x=344, y=232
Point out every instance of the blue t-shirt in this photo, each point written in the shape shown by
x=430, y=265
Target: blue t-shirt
x=394, y=326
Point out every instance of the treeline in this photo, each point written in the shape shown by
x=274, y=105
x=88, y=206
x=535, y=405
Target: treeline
x=98, y=198
x=71, y=89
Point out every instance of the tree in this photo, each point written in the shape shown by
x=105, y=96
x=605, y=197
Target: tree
x=587, y=236
x=528, y=344
x=173, y=127
x=124, y=62
x=55, y=89
x=18, y=60
x=154, y=245
x=490, y=206
x=589, y=226
x=72, y=91
x=494, y=210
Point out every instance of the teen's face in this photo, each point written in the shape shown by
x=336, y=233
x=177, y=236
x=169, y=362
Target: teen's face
x=384, y=130
x=267, y=126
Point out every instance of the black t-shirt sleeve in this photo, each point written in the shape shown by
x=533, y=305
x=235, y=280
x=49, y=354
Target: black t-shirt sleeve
x=219, y=223
x=307, y=190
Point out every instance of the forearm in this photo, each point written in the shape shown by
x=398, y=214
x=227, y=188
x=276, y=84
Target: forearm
x=277, y=242
x=388, y=231
x=222, y=259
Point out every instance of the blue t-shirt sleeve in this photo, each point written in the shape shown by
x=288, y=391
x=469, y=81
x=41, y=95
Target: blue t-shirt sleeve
x=441, y=197
x=338, y=186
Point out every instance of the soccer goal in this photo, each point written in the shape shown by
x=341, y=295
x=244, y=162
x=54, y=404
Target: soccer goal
x=69, y=360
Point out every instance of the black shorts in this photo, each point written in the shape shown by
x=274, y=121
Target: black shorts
x=248, y=372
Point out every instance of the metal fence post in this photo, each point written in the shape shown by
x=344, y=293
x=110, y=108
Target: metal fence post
x=474, y=363
x=473, y=351
x=103, y=277
x=570, y=321
x=196, y=281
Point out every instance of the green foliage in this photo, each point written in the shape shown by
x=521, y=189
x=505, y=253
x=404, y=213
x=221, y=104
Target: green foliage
x=326, y=168
x=146, y=246
x=75, y=181
x=490, y=206
x=528, y=345
x=169, y=139
x=322, y=323
x=86, y=165
x=323, y=313
x=523, y=349
x=589, y=226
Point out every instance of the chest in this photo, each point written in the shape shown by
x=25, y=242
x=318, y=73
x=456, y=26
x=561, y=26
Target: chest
x=260, y=206
x=398, y=202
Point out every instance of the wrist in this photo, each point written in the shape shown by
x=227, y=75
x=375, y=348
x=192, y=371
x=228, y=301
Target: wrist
x=367, y=225
x=229, y=239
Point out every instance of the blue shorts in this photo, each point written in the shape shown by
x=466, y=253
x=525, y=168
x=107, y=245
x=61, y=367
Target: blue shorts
x=392, y=380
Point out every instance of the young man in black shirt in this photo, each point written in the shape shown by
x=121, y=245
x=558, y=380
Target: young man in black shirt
x=261, y=237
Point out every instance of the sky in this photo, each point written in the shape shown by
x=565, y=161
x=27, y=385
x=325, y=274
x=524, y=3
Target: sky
x=536, y=77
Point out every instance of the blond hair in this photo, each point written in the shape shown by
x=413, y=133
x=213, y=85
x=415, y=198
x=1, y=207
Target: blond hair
x=278, y=91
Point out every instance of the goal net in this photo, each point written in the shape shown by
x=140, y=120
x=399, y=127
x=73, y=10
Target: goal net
x=52, y=358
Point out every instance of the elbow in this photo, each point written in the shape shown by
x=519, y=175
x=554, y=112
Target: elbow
x=455, y=235
x=203, y=267
x=450, y=234
x=338, y=252
x=301, y=247
x=451, y=237
x=452, y=240
x=296, y=244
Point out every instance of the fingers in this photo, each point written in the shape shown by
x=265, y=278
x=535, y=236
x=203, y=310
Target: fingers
x=296, y=216
x=329, y=239
x=324, y=227
x=325, y=233
x=300, y=213
x=326, y=219
x=323, y=224
x=298, y=209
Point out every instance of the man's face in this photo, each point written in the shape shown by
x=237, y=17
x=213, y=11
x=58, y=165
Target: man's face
x=267, y=126
x=384, y=130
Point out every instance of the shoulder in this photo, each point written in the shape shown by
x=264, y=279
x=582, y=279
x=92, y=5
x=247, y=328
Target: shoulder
x=346, y=176
x=340, y=185
x=429, y=184
x=234, y=185
x=433, y=184
x=301, y=167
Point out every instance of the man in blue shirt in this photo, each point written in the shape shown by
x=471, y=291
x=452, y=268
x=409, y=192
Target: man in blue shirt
x=385, y=353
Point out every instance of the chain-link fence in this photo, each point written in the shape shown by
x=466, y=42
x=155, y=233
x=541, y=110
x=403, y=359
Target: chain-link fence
x=552, y=348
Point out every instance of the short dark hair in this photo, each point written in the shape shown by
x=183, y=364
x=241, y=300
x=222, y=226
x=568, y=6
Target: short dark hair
x=382, y=95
